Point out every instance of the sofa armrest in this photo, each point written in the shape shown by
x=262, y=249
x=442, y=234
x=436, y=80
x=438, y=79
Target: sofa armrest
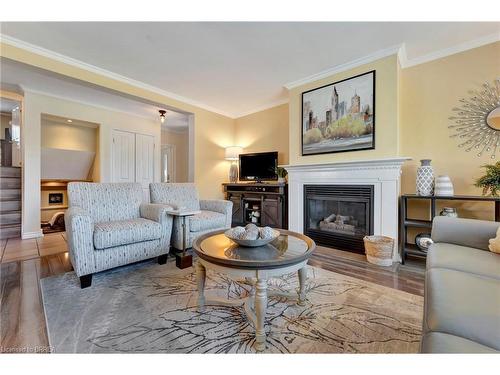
x=464, y=232
x=80, y=235
x=221, y=206
x=159, y=213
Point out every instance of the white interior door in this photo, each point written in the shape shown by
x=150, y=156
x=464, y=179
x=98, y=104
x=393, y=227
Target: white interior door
x=168, y=163
x=123, y=156
x=144, y=161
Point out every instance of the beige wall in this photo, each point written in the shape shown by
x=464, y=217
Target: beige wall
x=386, y=114
x=428, y=93
x=180, y=139
x=265, y=131
x=5, y=118
x=68, y=137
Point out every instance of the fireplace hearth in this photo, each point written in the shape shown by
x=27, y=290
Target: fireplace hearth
x=339, y=216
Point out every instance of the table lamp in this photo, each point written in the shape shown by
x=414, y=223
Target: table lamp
x=232, y=154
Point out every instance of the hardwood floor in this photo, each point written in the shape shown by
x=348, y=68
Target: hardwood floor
x=408, y=277
x=22, y=320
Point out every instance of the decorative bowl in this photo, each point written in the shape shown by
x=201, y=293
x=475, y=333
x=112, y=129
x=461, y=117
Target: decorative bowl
x=252, y=243
x=423, y=241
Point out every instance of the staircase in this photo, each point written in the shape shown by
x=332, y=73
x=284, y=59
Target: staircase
x=10, y=202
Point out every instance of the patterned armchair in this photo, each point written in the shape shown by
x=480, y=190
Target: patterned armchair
x=215, y=214
x=107, y=226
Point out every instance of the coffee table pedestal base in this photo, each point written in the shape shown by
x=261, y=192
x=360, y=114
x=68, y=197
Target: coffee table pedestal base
x=255, y=305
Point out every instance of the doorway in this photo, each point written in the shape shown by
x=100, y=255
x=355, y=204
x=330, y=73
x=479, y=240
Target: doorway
x=177, y=147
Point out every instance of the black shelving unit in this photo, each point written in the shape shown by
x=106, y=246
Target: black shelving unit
x=406, y=248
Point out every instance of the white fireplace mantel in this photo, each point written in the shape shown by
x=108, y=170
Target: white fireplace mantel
x=383, y=174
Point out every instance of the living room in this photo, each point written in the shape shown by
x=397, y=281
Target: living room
x=281, y=197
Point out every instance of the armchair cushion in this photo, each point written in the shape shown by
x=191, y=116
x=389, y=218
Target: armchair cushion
x=123, y=232
x=207, y=220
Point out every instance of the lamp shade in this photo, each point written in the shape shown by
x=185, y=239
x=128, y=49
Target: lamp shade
x=233, y=152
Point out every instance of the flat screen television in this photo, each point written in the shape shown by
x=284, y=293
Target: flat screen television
x=259, y=166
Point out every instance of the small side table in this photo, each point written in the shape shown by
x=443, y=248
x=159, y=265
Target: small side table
x=183, y=260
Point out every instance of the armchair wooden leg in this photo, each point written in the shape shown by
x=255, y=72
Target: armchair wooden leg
x=85, y=281
x=162, y=259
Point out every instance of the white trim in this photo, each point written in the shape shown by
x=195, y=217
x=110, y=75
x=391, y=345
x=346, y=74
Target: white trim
x=78, y=101
x=28, y=235
x=106, y=73
x=370, y=163
x=343, y=67
x=191, y=148
x=263, y=108
x=402, y=56
x=471, y=44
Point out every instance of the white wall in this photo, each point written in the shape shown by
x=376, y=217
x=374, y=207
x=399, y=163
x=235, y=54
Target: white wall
x=35, y=105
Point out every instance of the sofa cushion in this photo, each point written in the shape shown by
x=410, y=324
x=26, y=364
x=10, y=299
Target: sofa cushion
x=437, y=342
x=464, y=305
x=466, y=259
x=123, y=232
x=206, y=220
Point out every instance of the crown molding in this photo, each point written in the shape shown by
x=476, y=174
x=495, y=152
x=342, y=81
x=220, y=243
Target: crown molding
x=475, y=43
x=106, y=73
x=263, y=108
x=343, y=67
x=404, y=62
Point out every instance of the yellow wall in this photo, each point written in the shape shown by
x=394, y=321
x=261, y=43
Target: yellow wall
x=428, y=93
x=386, y=114
x=180, y=139
x=265, y=131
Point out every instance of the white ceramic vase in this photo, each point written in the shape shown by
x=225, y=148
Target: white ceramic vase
x=443, y=187
x=425, y=178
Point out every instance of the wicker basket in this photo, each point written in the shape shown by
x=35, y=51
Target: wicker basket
x=379, y=250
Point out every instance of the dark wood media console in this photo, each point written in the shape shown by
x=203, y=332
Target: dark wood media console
x=264, y=204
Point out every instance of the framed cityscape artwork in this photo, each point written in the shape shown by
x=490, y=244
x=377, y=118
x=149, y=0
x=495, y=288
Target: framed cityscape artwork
x=339, y=117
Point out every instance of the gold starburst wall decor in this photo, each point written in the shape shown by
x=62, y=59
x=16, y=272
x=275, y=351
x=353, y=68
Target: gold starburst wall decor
x=477, y=120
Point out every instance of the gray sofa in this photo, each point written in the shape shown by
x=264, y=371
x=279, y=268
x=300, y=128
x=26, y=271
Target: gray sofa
x=462, y=288
x=107, y=226
x=214, y=214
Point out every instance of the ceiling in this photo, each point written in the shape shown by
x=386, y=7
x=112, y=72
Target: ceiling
x=236, y=67
x=30, y=78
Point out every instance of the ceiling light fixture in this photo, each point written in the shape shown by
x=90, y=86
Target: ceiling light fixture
x=162, y=115
x=69, y=120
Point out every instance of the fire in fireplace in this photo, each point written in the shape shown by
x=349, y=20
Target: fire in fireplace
x=338, y=216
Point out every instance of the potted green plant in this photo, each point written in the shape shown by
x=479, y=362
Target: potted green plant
x=281, y=173
x=490, y=182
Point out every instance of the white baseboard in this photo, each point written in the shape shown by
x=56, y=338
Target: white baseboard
x=28, y=235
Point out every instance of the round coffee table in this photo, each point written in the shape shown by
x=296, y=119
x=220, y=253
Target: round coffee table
x=288, y=253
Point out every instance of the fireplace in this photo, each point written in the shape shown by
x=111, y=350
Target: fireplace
x=339, y=216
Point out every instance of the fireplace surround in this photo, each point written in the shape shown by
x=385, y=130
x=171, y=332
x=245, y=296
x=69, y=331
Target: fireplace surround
x=383, y=175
